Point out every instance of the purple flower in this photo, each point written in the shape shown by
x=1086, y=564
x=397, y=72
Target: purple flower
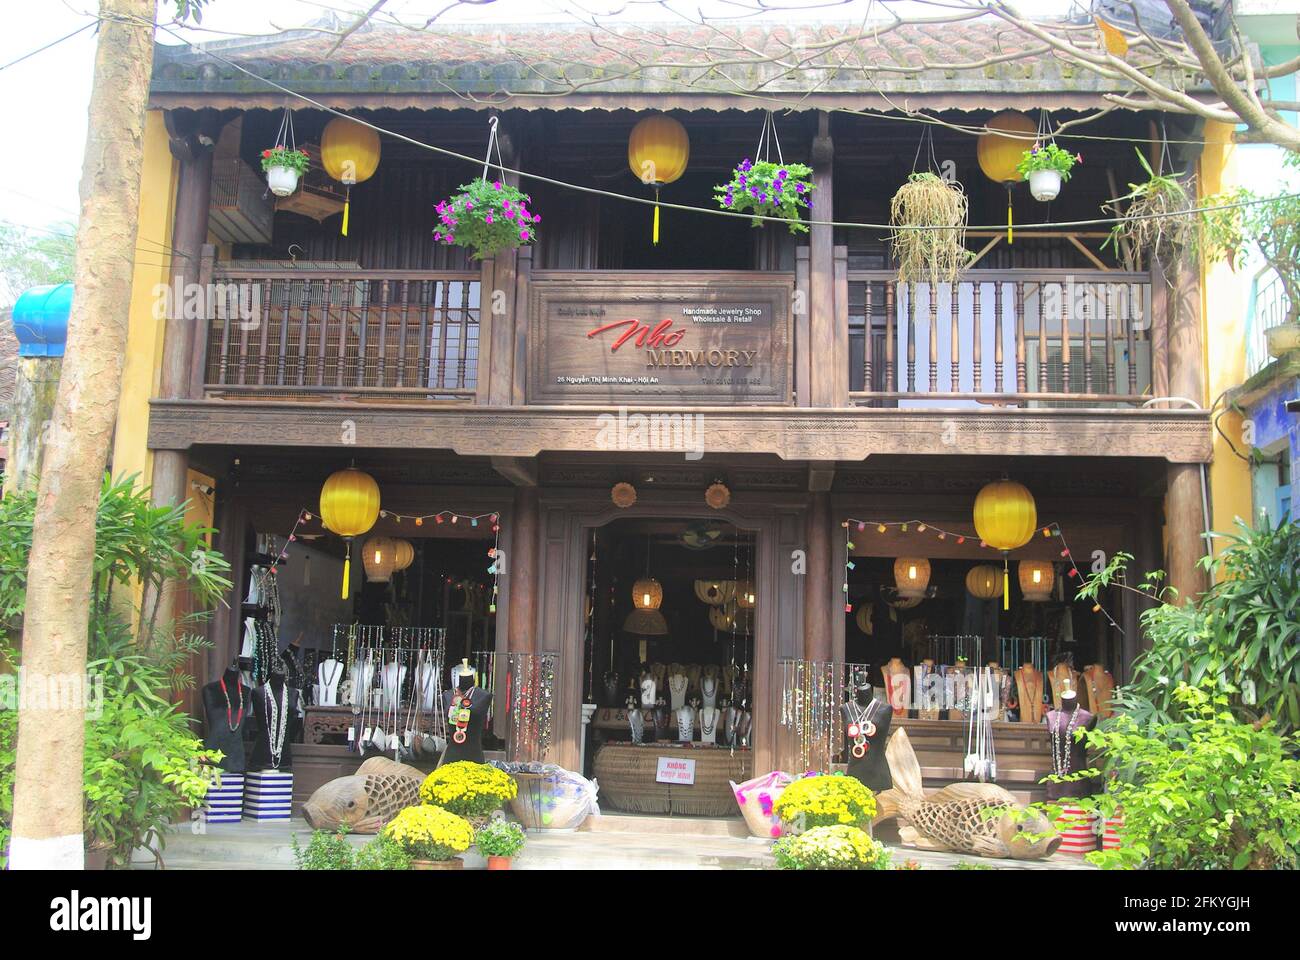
x=799, y=187
x=809, y=204
x=497, y=184
x=523, y=234
x=488, y=218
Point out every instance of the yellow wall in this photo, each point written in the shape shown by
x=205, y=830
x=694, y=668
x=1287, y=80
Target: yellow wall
x=1224, y=300
x=144, y=340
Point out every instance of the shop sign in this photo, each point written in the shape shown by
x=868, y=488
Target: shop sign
x=625, y=337
x=678, y=770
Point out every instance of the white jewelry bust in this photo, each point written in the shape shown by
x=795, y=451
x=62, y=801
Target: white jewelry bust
x=709, y=717
x=426, y=686
x=328, y=675
x=392, y=676
x=677, y=685
x=363, y=676
x=647, y=691
x=709, y=690
x=686, y=724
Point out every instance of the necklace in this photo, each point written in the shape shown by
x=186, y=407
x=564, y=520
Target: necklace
x=277, y=722
x=708, y=722
x=861, y=726
x=238, y=721
x=1061, y=745
x=459, y=713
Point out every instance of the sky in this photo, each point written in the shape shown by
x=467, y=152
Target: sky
x=45, y=97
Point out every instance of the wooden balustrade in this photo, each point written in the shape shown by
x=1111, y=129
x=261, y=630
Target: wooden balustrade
x=342, y=333
x=906, y=340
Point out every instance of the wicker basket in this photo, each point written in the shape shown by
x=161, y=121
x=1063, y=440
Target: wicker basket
x=627, y=780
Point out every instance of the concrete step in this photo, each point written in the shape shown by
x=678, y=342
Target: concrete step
x=665, y=826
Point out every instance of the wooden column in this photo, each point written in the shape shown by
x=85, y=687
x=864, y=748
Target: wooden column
x=818, y=586
x=522, y=572
x=1184, y=504
x=821, y=275
x=802, y=335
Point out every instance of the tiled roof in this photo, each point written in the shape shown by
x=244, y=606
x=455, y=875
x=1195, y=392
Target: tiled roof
x=552, y=65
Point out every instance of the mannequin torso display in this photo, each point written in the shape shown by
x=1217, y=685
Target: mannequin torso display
x=425, y=686
x=392, y=676
x=660, y=672
x=709, y=690
x=866, y=729
x=744, y=723
x=677, y=684
x=898, y=685
x=363, y=679
x=686, y=724
x=467, y=710
x=275, y=706
x=730, y=714
x=227, y=705
x=1063, y=677
x=635, y=720
x=1029, y=692
x=927, y=690
x=709, y=717
x=1100, y=688
x=609, y=684
x=328, y=675
x=648, y=691
x=1068, y=752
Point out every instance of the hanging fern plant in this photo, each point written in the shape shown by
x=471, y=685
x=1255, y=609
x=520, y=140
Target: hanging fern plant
x=929, y=216
x=1155, y=217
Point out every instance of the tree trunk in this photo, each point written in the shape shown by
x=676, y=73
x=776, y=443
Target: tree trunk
x=48, y=798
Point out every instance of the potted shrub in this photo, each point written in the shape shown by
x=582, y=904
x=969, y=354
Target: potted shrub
x=830, y=848
x=500, y=841
x=1046, y=167
x=283, y=167
x=471, y=790
x=486, y=218
x=768, y=189
x=1154, y=220
x=825, y=800
x=431, y=836
x=929, y=216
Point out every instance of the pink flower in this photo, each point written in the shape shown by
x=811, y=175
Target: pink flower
x=537, y=218
x=497, y=184
x=488, y=218
x=523, y=234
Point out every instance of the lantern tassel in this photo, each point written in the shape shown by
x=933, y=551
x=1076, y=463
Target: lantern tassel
x=655, y=232
x=1006, y=585
x=1011, y=235
x=347, y=570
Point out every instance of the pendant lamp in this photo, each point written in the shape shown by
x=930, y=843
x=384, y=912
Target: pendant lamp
x=657, y=151
x=1005, y=518
x=1037, y=578
x=379, y=557
x=999, y=151
x=349, y=507
x=984, y=582
x=404, y=555
x=912, y=577
x=349, y=152
x=647, y=595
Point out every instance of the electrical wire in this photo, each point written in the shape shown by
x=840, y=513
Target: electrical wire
x=53, y=43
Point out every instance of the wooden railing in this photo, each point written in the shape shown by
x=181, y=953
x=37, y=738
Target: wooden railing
x=345, y=333
x=1000, y=337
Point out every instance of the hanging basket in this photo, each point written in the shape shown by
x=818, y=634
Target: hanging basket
x=929, y=216
x=486, y=218
x=283, y=167
x=1046, y=167
x=767, y=189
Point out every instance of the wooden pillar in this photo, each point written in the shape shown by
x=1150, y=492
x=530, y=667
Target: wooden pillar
x=821, y=274
x=818, y=586
x=802, y=335
x=1184, y=503
x=522, y=572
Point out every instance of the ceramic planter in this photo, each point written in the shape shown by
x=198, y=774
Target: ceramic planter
x=455, y=863
x=1045, y=184
x=499, y=863
x=282, y=180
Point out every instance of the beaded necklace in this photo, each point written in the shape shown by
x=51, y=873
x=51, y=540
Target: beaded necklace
x=238, y=721
x=1061, y=745
x=459, y=713
x=277, y=722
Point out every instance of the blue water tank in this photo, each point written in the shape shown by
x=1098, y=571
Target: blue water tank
x=40, y=320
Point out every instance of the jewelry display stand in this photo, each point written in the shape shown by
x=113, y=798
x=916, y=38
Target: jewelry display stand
x=224, y=802
x=268, y=795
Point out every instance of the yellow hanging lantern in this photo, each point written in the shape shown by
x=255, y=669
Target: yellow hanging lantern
x=1037, y=578
x=379, y=557
x=912, y=576
x=723, y=618
x=984, y=582
x=714, y=592
x=999, y=154
x=404, y=555
x=657, y=151
x=349, y=507
x=349, y=152
x=1005, y=518
x=863, y=619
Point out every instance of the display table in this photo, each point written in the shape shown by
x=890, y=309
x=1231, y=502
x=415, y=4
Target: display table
x=331, y=724
x=627, y=778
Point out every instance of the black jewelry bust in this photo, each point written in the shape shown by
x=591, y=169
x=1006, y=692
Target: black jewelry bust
x=226, y=720
x=870, y=768
x=1064, y=725
x=479, y=702
x=276, y=688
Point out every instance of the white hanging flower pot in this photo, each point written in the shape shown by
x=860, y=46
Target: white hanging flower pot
x=1045, y=184
x=282, y=180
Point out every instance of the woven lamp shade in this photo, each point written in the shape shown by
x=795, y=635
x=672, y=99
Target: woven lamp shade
x=379, y=556
x=984, y=582
x=912, y=576
x=647, y=594
x=650, y=623
x=1037, y=578
x=405, y=554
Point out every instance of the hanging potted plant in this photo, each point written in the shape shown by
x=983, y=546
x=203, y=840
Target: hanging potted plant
x=929, y=216
x=283, y=167
x=1155, y=221
x=1046, y=167
x=768, y=188
x=487, y=217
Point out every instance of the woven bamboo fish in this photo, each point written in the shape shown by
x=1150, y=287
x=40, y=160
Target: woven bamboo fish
x=366, y=800
x=979, y=818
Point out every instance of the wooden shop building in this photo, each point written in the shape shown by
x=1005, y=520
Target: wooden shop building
x=814, y=422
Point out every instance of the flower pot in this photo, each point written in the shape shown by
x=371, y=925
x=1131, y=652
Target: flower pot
x=1282, y=339
x=1045, y=184
x=455, y=863
x=97, y=858
x=282, y=180
x=499, y=863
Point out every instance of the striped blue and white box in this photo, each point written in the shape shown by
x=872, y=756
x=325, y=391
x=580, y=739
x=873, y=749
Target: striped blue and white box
x=225, y=800
x=268, y=795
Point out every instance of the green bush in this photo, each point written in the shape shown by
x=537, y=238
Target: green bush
x=500, y=838
x=331, y=851
x=830, y=848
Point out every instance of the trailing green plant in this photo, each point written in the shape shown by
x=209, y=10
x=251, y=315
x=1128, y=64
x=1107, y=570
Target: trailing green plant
x=768, y=189
x=1156, y=217
x=1239, y=639
x=486, y=217
x=1241, y=220
x=831, y=848
x=929, y=215
x=1049, y=157
x=500, y=838
x=282, y=156
x=326, y=850
x=1204, y=790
